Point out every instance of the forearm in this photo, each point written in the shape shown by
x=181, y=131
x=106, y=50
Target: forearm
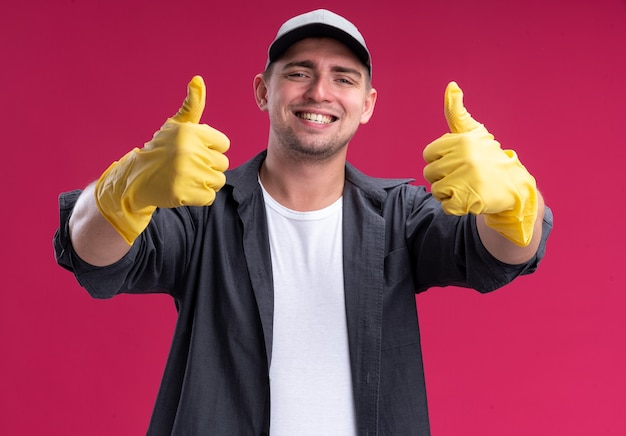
x=503, y=249
x=94, y=239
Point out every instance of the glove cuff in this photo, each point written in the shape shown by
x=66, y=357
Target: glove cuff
x=517, y=224
x=114, y=198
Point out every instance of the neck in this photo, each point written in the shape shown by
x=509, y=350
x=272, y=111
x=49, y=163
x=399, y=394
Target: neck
x=303, y=185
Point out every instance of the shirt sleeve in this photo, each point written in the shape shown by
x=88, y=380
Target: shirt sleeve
x=146, y=268
x=447, y=250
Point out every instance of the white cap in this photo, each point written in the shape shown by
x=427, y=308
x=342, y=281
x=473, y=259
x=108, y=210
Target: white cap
x=319, y=23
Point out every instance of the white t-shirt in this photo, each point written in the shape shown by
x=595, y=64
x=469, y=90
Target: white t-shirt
x=310, y=377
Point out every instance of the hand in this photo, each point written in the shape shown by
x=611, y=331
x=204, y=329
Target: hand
x=470, y=173
x=183, y=164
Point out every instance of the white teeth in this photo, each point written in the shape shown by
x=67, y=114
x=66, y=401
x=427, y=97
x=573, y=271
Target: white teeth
x=316, y=118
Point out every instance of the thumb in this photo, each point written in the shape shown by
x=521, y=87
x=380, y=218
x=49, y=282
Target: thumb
x=193, y=106
x=459, y=120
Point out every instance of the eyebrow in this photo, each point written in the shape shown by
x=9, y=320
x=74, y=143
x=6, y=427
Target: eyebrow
x=334, y=68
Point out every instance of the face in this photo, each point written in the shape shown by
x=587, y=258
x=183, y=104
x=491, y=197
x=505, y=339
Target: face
x=317, y=94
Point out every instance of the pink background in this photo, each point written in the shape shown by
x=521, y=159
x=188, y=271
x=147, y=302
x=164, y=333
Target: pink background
x=82, y=82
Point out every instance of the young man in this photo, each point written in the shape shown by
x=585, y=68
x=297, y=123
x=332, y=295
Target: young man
x=295, y=275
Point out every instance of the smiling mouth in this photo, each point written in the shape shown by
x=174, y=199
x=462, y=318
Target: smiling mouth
x=316, y=118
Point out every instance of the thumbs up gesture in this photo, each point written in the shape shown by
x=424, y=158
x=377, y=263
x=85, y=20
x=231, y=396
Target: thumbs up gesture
x=470, y=173
x=183, y=164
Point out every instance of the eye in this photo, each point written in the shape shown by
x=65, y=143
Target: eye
x=345, y=81
x=296, y=75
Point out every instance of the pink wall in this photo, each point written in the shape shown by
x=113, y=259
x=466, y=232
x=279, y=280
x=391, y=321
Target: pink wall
x=82, y=82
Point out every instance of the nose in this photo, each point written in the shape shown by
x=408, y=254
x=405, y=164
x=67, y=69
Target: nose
x=318, y=90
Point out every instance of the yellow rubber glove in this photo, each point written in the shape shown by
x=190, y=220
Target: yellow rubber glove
x=183, y=164
x=470, y=173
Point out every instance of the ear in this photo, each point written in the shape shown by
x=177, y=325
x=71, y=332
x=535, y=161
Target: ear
x=260, y=92
x=368, y=106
